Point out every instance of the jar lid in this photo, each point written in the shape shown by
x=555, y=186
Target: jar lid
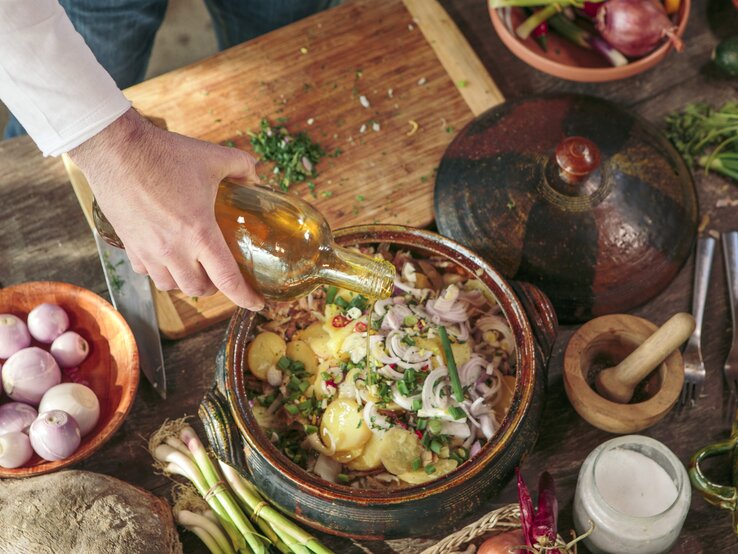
x=573, y=194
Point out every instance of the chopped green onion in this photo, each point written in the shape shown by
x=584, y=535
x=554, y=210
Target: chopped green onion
x=304, y=386
x=298, y=366
x=331, y=294
x=435, y=426
x=436, y=446
x=417, y=404
x=310, y=429
x=430, y=468
x=283, y=363
x=341, y=302
x=292, y=409
x=409, y=320
x=417, y=464
x=422, y=423
x=343, y=478
x=453, y=373
x=402, y=387
x=456, y=412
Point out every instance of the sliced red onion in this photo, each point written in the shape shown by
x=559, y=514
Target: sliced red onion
x=29, y=373
x=429, y=385
x=69, y=349
x=392, y=321
x=473, y=297
x=47, y=321
x=475, y=449
x=55, y=435
x=16, y=417
x=405, y=402
x=313, y=440
x=14, y=335
x=499, y=324
x=380, y=306
x=460, y=331
x=77, y=400
x=373, y=419
x=470, y=371
x=389, y=373
x=15, y=450
x=488, y=425
x=327, y=468
x=458, y=429
x=478, y=407
x=407, y=288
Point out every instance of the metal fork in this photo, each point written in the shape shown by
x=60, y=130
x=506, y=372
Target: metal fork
x=730, y=369
x=694, y=367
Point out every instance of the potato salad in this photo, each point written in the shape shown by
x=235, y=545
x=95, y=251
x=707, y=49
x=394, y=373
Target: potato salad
x=390, y=393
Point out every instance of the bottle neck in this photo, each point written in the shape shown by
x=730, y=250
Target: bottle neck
x=371, y=277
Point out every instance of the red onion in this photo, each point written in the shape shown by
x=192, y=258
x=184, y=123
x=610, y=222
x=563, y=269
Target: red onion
x=76, y=400
x=29, y=373
x=15, y=450
x=55, y=435
x=47, y=321
x=69, y=349
x=13, y=335
x=636, y=27
x=16, y=417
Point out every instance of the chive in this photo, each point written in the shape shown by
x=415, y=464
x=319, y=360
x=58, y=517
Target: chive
x=436, y=446
x=456, y=412
x=426, y=440
x=331, y=294
x=304, y=386
x=422, y=423
x=417, y=404
x=407, y=339
x=402, y=387
x=430, y=468
x=409, y=320
x=283, y=363
x=297, y=366
x=453, y=373
x=310, y=429
x=343, y=478
x=291, y=408
x=341, y=302
x=434, y=426
x=417, y=464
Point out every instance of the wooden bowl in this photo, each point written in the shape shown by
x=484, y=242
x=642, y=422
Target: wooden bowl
x=569, y=61
x=110, y=369
x=605, y=342
x=419, y=510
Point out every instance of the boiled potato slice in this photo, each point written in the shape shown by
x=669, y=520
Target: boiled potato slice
x=428, y=344
x=346, y=456
x=342, y=426
x=300, y=351
x=398, y=450
x=264, y=352
x=316, y=337
x=336, y=335
x=347, y=389
x=462, y=352
x=370, y=457
x=418, y=477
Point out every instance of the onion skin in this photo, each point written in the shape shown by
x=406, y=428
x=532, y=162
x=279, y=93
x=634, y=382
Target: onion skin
x=14, y=335
x=29, y=373
x=635, y=27
x=15, y=450
x=504, y=543
x=77, y=400
x=47, y=321
x=16, y=417
x=55, y=435
x=69, y=349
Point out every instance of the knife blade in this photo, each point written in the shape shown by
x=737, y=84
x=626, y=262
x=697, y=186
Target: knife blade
x=131, y=296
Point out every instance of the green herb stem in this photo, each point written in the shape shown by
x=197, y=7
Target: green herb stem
x=453, y=372
x=532, y=22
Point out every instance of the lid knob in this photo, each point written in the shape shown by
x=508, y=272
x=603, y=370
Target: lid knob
x=576, y=157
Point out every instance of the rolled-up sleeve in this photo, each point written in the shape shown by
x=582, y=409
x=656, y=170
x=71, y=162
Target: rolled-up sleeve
x=49, y=78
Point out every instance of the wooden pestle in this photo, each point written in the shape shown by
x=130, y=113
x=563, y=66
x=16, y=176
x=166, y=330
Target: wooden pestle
x=618, y=383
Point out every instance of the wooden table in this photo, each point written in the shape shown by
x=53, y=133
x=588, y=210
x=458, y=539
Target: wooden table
x=43, y=236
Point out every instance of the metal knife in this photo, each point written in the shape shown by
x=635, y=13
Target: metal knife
x=131, y=296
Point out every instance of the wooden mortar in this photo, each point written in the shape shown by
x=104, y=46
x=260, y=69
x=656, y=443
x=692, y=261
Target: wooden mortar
x=602, y=343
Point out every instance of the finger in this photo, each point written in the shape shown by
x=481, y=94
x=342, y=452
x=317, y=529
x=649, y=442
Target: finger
x=162, y=278
x=136, y=263
x=223, y=271
x=240, y=166
x=192, y=279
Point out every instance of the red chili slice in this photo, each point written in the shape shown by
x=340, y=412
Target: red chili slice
x=360, y=327
x=340, y=321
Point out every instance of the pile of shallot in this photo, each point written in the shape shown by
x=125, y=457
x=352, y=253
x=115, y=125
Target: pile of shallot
x=43, y=414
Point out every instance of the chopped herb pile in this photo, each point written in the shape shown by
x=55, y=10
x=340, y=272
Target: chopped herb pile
x=295, y=156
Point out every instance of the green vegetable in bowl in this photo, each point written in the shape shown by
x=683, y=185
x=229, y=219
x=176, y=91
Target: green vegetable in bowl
x=725, y=56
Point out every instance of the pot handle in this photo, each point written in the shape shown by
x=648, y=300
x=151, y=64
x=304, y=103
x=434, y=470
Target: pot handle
x=541, y=315
x=724, y=496
x=221, y=430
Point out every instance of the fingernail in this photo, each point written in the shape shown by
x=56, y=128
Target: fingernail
x=257, y=307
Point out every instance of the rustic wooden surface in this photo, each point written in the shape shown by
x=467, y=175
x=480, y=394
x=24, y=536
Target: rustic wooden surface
x=43, y=235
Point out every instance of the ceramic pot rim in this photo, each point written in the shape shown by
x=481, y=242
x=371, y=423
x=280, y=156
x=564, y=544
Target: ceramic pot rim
x=524, y=387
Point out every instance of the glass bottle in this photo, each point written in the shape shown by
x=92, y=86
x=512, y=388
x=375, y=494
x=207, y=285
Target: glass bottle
x=616, y=530
x=284, y=246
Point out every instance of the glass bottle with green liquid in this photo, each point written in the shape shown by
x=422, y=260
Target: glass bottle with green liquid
x=284, y=246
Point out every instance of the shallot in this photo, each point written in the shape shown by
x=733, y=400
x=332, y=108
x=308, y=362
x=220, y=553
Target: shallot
x=76, y=400
x=47, y=321
x=636, y=27
x=16, y=417
x=14, y=335
x=55, y=435
x=29, y=373
x=69, y=349
x=15, y=450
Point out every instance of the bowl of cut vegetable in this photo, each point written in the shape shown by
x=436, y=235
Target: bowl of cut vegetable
x=392, y=417
x=591, y=42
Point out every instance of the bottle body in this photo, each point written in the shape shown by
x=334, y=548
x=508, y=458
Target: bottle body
x=284, y=246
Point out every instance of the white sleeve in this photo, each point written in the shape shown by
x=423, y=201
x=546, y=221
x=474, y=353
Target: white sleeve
x=49, y=78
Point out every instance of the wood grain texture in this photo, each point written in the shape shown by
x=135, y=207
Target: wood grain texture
x=110, y=369
x=43, y=236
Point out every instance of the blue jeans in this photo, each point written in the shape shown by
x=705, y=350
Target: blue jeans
x=121, y=32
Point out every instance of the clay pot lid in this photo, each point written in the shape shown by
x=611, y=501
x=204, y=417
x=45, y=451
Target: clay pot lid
x=573, y=194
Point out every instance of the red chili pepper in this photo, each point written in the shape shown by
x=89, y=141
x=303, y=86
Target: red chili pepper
x=401, y=424
x=340, y=321
x=331, y=383
x=393, y=366
x=424, y=368
x=360, y=327
x=419, y=434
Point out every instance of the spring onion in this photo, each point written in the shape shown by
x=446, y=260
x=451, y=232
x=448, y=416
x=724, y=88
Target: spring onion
x=453, y=372
x=572, y=32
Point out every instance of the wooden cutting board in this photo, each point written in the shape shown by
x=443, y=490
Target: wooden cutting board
x=406, y=57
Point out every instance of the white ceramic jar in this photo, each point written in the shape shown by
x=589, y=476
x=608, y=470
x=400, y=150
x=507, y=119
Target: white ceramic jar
x=636, y=492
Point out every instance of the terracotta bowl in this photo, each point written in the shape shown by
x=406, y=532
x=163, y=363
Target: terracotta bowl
x=418, y=510
x=110, y=370
x=572, y=62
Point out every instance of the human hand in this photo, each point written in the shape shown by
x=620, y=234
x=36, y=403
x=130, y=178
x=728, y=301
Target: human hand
x=157, y=189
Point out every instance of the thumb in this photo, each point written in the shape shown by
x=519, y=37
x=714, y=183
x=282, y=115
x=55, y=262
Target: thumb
x=240, y=166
